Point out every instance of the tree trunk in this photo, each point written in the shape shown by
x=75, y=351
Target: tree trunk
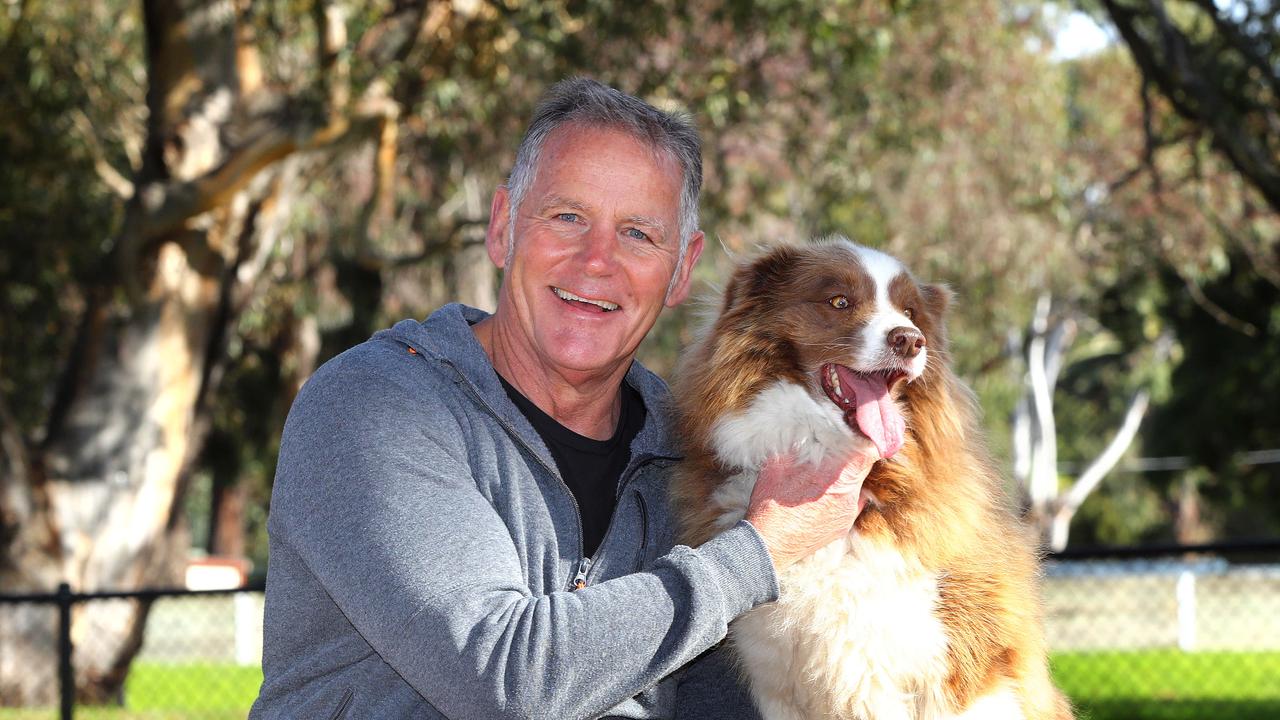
x=97, y=503
x=109, y=476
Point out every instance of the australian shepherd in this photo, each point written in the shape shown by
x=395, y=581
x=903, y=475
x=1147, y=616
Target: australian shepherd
x=929, y=608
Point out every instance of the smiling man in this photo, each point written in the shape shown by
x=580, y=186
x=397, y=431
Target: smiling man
x=469, y=517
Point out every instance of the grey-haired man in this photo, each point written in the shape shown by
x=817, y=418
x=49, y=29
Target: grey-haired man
x=469, y=517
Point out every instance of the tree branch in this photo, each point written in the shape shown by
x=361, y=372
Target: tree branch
x=1097, y=470
x=169, y=205
x=1238, y=41
x=1195, y=98
x=394, y=37
x=118, y=183
x=333, y=66
x=1044, y=465
x=1110, y=456
x=1216, y=311
x=370, y=259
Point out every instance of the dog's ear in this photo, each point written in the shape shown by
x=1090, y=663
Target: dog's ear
x=937, y=298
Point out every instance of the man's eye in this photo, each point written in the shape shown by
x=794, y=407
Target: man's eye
x=568, y=217
x=635, y=234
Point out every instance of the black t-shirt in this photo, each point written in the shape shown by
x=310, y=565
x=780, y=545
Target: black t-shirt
x=591, y=468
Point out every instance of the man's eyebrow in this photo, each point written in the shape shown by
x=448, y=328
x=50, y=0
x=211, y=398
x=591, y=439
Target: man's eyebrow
x=647, y=221
x=557, y=201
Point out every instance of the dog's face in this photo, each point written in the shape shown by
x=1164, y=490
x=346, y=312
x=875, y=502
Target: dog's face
x=852, y=320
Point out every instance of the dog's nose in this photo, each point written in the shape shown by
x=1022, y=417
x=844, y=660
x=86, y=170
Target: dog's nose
x=906, y=341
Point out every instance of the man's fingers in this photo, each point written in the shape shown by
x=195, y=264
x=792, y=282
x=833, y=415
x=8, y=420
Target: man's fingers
x=852, y=474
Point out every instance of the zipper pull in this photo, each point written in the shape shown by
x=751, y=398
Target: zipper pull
x=580, y=580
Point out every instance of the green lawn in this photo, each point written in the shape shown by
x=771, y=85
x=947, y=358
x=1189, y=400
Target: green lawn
x=1171, y=685
x=172, y=692
x=1150, y=685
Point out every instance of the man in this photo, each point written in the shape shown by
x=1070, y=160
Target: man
x=469, y=517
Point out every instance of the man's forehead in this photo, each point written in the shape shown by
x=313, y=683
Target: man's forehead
x=574, y=174
x=566, y=138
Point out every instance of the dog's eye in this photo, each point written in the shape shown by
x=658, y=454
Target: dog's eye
x=839, y=302
x=911, y=314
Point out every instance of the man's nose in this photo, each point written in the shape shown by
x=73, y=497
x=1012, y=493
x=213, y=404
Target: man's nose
x=906, y=341
x=599, y=252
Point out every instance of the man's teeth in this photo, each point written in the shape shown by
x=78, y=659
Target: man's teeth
x=602, y=304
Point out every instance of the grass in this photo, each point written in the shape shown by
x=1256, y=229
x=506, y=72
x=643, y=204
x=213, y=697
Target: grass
x=196, y=691
x=1171, y=685
x=1146, y=685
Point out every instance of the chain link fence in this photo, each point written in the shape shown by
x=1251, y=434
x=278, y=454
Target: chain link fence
x=1136, y=634
x=199, y=658
x=1183, y=633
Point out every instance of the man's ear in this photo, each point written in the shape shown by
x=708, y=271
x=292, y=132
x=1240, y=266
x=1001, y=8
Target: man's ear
x=684, y=280
x=937, y=298
x=497, y=237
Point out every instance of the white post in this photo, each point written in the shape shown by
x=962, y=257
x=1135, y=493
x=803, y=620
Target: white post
x=247, y=621
x=1186, y=593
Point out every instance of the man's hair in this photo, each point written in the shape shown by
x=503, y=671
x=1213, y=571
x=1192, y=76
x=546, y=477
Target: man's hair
x=588, y=102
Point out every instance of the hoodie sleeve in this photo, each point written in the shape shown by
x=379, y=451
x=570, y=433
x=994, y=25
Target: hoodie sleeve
x=385, y=514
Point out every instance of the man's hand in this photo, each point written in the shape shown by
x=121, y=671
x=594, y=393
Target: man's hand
x=798, y=508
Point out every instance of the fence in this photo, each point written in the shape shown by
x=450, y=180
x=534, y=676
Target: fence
x=1176, y=633
x=200, y=656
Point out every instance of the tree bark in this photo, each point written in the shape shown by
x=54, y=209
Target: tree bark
x=97, y=504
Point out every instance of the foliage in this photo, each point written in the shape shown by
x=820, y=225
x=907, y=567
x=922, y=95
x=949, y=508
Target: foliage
x=940, y=132
x=67, y=84
x=1216, y=65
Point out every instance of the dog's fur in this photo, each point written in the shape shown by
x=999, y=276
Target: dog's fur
x=929, y=608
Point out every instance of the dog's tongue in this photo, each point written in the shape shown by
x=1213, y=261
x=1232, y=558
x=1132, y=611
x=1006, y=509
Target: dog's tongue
x=877, y=416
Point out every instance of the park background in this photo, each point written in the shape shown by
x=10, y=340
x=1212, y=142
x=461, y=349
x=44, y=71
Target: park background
x=202, y=201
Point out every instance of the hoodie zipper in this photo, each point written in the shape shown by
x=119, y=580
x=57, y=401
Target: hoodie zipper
x=554, y=472
x=581, y=576
x=582, y=579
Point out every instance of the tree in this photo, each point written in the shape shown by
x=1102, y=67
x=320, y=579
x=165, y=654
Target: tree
x=91, y=497
x=1218, y=65
x=1179, y=128
x=1035, y=442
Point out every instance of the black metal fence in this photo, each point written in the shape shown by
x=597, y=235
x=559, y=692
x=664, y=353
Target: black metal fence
x=200, y=654
x=1151, y=633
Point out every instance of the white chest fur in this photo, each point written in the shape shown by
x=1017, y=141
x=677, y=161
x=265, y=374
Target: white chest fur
x=855, y=633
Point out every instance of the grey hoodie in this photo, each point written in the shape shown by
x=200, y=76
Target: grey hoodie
x=424, y=551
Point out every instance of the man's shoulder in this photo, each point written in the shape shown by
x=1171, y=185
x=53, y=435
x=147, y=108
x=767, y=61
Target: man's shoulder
x=410, y=356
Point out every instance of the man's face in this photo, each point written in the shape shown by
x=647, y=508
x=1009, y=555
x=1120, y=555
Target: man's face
x=597, y=239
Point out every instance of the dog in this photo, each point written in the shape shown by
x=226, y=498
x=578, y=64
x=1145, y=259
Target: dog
x=928, y=609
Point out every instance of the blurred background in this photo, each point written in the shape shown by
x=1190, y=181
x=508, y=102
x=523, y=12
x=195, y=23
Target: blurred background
x=200, y=202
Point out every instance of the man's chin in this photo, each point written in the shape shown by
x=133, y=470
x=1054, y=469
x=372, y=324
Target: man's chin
x=587, y=352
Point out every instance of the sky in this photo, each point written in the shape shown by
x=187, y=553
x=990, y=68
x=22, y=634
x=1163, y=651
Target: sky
x=1078, y=35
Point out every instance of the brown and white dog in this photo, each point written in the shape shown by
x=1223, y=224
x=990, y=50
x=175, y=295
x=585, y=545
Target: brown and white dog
x=929, y=608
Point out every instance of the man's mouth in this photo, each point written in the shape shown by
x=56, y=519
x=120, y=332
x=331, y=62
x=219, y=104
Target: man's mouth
x=864, y=400
x=603, y=305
